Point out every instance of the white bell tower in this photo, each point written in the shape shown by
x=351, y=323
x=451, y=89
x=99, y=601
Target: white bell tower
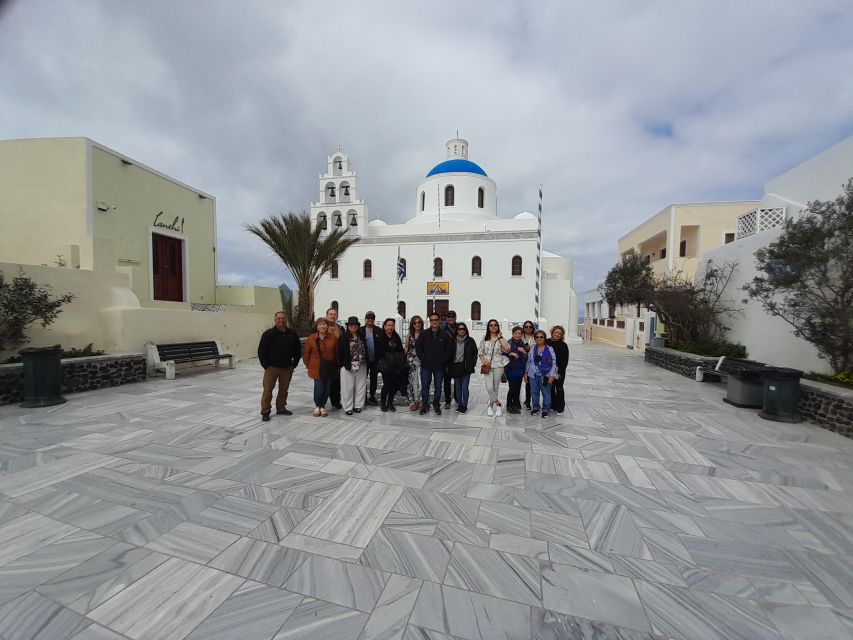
x=339, y=206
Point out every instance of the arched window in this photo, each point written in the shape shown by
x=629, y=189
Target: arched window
x=330, y=192
x=322, y=222
x=401, y=309
x=337, y=166
x=334, y=270
x=481, y=197
x=476, y=312
x=423, y=200
x=438, y=267
x=516, y=265
x=476, y=266
x=367, y=269
x=449, y=195
x=334, y=305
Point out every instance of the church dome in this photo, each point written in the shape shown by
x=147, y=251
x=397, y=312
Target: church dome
x=457, y=165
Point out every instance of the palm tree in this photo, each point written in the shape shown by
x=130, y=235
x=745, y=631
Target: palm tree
x=306, y=253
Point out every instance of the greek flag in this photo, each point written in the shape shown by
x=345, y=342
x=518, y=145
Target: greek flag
x=401, y=269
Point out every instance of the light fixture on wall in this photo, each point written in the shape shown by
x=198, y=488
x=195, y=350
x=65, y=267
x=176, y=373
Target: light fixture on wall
x=338, y=221
x=202, y=197
x=353, y=221
x=127, y=163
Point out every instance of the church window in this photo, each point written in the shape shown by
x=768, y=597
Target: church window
x=438, y=267
x=423, y=200
x=516, y=265
x=338, y=166
x=330, y=192
x=481, y=197
x=476, y=266
x=334, y=270
x=401, y=309
x=449, y=195
x=367, y=269
x=476, y=311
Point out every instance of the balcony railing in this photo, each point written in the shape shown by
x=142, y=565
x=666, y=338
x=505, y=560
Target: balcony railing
x=758, y=220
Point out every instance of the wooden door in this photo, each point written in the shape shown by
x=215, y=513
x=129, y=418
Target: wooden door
x=167, y=266
x=441, y=307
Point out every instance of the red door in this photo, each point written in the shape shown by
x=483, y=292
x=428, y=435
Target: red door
x=441, y=307
x=168, y=268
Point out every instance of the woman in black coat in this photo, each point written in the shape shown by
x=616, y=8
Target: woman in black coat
x=462, y=365
x=561, y=350
x=391, y=360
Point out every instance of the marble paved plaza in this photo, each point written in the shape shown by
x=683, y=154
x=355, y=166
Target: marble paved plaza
x=649, y=509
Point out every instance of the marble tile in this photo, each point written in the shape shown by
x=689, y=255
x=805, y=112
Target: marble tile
x=410, y=524
x=407, y=554
x=503, y=575
x=610, y=529
x=504, y=518
x=235, y=515
x=519, y=545
x=260, y=561
x=594, y=595
x=51, y=473
x=634, y=472
x=318, y=620
x=579, y=557
x=438, y=506
x=684, y=614
x=400, y=477
x=469, y=615
x=389, y=617
x=805, y=623
x=832, y=575
x=420, y=633
x=345, y=584
x=556, y=527
x=254, y=611
x=491, y=492
x=23, y=535
x=169, y=602
x=277, y=526
x=353, y=513
x=321, y=547
x=193, y=542
x=450, y=477
x=34, y=617
x=551, y=625
x=648, y=570
x=742, y=559
x=452, y=532
x=97, y=632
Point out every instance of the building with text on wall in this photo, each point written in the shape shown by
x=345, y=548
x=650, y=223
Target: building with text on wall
x=457, y=253
x=136, y=247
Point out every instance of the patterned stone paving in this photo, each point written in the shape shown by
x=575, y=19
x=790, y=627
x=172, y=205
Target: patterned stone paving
x=648, y=510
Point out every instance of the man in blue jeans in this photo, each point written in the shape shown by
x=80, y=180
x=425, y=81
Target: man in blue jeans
x=434, y=349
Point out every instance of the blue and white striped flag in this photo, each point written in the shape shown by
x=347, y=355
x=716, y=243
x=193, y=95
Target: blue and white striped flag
x=401, y=267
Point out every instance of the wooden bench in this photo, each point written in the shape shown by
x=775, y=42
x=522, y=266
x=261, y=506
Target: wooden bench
x=717, y=374
x=166, y=356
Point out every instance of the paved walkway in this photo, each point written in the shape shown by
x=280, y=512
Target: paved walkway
x=650, y=509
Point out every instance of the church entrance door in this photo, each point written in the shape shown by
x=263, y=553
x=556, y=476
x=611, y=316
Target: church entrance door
x=441, y=307
x=167, y=266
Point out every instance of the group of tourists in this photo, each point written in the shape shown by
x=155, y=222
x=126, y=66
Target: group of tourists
x=345, y=360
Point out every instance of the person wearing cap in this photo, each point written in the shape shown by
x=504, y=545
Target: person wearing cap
x=371, y=334
x=449, y=325
x=352, y=355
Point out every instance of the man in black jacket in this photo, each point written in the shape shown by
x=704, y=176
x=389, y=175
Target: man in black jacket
x=370, y=333
x=449, y=325
x=435, y=349
x=279, y=351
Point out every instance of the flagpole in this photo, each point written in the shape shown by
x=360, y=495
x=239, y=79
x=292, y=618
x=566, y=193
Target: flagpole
x=538, y=262
x=438, y=187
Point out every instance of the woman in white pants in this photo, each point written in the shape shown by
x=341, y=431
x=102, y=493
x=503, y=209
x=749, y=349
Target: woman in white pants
x=493, y=359
x=352, y=353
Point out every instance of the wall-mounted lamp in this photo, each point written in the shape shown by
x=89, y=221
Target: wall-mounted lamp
x=127, y=163
x=202, y=197
x=102, y=206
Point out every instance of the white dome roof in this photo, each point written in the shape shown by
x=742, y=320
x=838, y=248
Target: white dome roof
x=524, y=215
x=377, y=223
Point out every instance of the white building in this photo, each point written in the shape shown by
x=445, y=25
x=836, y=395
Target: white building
x=479, y=265
x=768, y=338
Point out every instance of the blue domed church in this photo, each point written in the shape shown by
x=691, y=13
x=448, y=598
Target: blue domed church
x=454, y=253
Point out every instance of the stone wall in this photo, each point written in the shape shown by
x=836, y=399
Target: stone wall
x=80, y=374
x=828, y=406
x=825, y=405
x=684, y=364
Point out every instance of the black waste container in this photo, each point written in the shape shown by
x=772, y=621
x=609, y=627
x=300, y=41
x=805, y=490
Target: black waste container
x=781, y=394
x=42, y=383
x=745, y=383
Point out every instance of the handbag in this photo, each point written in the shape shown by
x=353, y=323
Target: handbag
x=485, y=368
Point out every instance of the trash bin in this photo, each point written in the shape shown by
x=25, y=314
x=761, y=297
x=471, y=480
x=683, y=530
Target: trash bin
x=745, y=383
x=42, y=383
x=781, y=394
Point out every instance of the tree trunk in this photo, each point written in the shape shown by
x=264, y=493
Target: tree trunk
x=304, y=311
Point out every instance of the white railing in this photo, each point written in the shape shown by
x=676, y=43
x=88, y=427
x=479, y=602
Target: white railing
x=758, y=220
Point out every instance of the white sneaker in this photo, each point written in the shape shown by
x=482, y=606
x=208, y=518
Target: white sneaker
x=498, y=412
x=489, y=411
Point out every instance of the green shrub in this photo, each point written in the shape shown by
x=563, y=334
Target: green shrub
x=23, y=302
x=845, y=379
x=712, y=349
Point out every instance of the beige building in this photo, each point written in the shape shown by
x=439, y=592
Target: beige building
x=138, y=246
x=674, y=239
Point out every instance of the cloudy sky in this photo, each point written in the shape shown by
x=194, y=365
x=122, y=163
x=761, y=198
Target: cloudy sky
x=617, y=108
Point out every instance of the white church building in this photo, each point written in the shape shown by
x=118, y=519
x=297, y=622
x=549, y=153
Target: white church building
x=457, y=253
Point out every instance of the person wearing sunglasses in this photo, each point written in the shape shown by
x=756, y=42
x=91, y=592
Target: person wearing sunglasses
x=527, y=330
x=515, y=370
x=540, y=373
x=416, y=328
x=463, y=365
x=435, y=351
x=561, y=349
x=493, y=359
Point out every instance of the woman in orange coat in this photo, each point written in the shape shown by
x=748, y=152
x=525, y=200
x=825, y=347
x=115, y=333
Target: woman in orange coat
x=320, y=356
